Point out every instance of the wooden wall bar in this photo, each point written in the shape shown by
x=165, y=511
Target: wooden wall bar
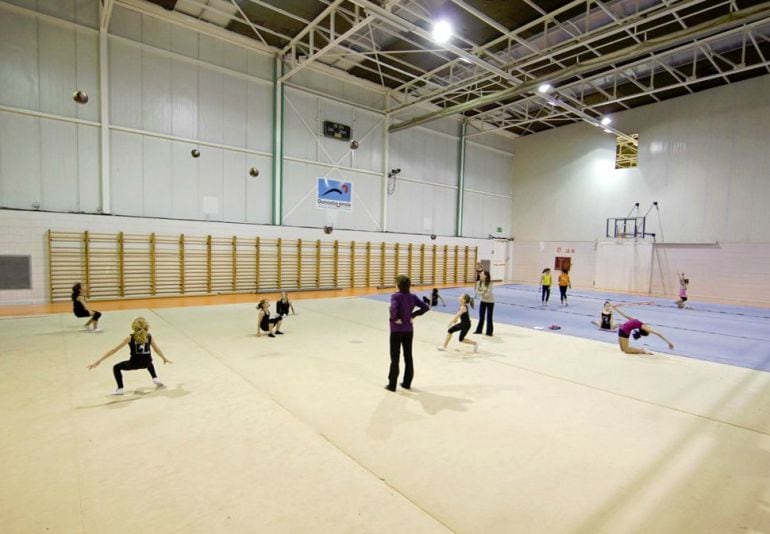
x=129, y=265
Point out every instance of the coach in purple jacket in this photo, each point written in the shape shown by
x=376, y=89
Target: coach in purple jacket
x=402, y=311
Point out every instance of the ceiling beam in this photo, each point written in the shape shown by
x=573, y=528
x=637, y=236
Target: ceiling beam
x=723, y=23
x=330, y=45
x=587, y=38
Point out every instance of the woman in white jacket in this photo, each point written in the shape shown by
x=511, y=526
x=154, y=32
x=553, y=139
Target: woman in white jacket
x=487, y=303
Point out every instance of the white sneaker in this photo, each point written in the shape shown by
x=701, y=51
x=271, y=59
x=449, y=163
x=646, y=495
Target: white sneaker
x=157, y=382
x=119, y=391
x=97, y=330
x=87, y=329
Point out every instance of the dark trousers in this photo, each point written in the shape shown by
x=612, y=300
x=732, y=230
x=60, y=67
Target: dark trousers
x=128, y=365
x=95, y=315
x=546, y=294
x=563, y=291
x=398, y=340
x=485, y=310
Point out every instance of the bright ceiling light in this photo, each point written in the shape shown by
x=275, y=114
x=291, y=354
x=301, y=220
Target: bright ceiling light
x=606, y=121
x=544, y=88
x=607, y=131
x=442, y=31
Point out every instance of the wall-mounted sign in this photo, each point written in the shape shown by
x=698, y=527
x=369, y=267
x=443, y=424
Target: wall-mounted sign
x=334, y=195
x=337, y=130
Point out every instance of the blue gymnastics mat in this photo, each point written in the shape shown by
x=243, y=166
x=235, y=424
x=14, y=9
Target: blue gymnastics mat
x=733, y=335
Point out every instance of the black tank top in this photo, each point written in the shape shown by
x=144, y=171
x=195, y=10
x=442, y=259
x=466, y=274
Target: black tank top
x=78, y=309
x=264, y=324
x=465, y=319
x=282, y=308
x=141, y=352
x=606, y=321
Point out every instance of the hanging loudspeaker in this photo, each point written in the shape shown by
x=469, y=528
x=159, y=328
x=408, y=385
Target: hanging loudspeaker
x=81, y=97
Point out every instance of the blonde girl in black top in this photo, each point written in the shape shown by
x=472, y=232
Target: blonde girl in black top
x=141, y=345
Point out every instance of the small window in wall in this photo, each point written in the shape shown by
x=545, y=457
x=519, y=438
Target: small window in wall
x=15, y=272
x=627, y=152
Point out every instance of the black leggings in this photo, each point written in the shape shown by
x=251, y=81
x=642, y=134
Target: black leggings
x=398, y=340
x=460, y=327
x=563, y=291
x=128, y=365
x=94, y=317
x=485, y=309
x=546, y=294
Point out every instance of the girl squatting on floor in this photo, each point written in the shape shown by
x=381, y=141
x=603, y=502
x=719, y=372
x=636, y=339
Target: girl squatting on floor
x=80, y=308
x=141, y=345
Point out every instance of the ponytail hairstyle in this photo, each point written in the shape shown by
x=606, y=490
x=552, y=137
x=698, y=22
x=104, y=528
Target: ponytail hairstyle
x=467, y=300
x=640, y=332
x=261, y=304
x=546, y=270
x=140, y=327
x=435, y=291
x=76, y=291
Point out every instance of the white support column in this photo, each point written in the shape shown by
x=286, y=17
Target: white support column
x=461, y=180
x=385, y=174
x=104, y=117
x=278, y=142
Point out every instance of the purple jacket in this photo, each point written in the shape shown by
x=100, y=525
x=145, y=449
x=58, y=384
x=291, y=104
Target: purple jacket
x=402, y=307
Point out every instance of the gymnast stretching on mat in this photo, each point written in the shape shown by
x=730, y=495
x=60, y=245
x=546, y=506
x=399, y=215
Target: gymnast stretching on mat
x=638, y=329
x=606, y=322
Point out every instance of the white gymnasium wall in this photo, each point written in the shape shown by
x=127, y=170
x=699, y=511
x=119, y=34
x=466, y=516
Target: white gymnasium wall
x=531, y=257
x=624, y=266
x=425, y=196
x=42, y=61
x=25, y=233
x=308, y=155
x=728, y=272
x=488, y=191
x=84, y=12
x=701, y=157
x=173, y=90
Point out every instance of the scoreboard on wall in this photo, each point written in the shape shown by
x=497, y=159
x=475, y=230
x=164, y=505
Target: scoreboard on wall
x=337, y=130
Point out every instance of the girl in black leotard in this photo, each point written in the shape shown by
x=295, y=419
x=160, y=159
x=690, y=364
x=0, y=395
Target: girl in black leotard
x=464, y=324
x=284, y=305
x=265, y=323
x=434, y=298
x=606, y=322
x=141, y=344
x=80, y=308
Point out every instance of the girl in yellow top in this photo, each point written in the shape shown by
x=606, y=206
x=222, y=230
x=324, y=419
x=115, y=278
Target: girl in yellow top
x=564, y=283
x=545, y=284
